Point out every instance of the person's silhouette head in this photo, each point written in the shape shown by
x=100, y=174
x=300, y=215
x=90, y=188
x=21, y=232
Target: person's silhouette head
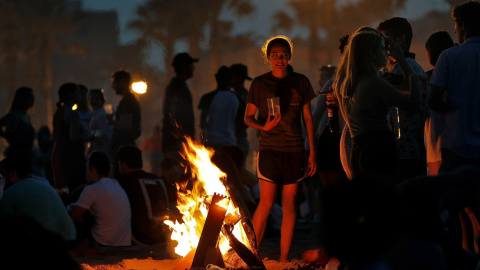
x=183, y=65
x=400, y=30
x=224, y=77
x=121, y=81
x=436, y=44
x=467, y=20
x=23, y=99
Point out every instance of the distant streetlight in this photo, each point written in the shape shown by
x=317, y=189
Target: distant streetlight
x=74, y=107
x=139, y=87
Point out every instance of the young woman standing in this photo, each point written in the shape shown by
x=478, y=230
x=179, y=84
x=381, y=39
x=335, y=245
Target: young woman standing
x=365, y=100
x=282, y=159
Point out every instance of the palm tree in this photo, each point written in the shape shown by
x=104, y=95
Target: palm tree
x=164, y=22
x=334, y=20
x=307, y=13
x=220, y=30
x=169, y=21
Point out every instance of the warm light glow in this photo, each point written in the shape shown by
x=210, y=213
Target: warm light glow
x=194, y=204
x=74, y=107
x=139, y=87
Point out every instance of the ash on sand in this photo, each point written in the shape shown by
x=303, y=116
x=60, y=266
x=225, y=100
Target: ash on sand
x=158, y=256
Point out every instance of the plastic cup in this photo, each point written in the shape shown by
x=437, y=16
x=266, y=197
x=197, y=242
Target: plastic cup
x=273, y=105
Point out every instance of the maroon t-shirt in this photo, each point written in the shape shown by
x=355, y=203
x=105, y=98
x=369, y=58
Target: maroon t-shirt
x=294, y=91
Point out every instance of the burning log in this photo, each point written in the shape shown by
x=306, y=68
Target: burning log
x=207, y=249
x=246, y=255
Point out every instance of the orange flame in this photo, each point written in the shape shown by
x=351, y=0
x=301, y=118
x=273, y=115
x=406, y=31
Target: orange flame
x=193, y=204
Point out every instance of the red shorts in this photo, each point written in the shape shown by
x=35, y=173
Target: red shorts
x=281, y=168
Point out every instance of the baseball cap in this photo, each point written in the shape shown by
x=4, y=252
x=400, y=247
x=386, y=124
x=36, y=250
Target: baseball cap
x=224, y=72
x=240, y=69
x=183, y=58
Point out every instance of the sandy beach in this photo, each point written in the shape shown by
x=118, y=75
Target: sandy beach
x=160, y=256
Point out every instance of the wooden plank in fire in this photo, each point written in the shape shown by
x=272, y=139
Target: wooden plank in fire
x=207, y=251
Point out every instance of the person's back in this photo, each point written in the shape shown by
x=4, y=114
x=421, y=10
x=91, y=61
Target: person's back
x=367, y=109
x=178, y=94
x=178, y=116
x=147, y=196
x=108, y=204
x=219, y=110
x=456, y=74
x=149, y=205
x=127, y=122
x=221, y=120
x=463, y=97
x=38, y=200
x=129, y=104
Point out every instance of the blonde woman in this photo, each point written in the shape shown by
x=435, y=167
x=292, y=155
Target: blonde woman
x=365, y=98
x=282, y=158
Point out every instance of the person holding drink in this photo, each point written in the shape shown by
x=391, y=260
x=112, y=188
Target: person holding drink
x=365, y=98
x=282, y=159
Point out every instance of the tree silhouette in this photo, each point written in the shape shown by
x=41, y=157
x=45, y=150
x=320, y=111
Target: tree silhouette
x=169, y=21
x=333, y=20
x=37, y=24
x=162, y=22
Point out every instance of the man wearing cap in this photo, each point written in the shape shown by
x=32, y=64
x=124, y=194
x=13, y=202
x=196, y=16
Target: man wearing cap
x=219, y=111
x=239, y=75
x=178, y=117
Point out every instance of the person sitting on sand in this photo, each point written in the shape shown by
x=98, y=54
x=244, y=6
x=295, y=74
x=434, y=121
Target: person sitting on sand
x=107, y=203
x=147, y=195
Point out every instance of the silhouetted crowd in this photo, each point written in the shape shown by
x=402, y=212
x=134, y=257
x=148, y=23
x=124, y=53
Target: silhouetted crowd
x=384, y=159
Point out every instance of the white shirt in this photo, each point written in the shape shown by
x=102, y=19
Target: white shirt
x=108, y=203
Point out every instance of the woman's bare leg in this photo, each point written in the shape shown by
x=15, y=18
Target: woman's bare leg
x=289, y=198
x=268, y=192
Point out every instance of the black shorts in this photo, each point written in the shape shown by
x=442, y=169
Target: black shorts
x=281, y=168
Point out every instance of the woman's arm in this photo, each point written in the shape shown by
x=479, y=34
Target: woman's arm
x=391, y=95
x=250, y=120
x=411, y=102
x=312, y=158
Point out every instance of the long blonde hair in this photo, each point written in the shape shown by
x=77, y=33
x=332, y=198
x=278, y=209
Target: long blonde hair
x=357, y=61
